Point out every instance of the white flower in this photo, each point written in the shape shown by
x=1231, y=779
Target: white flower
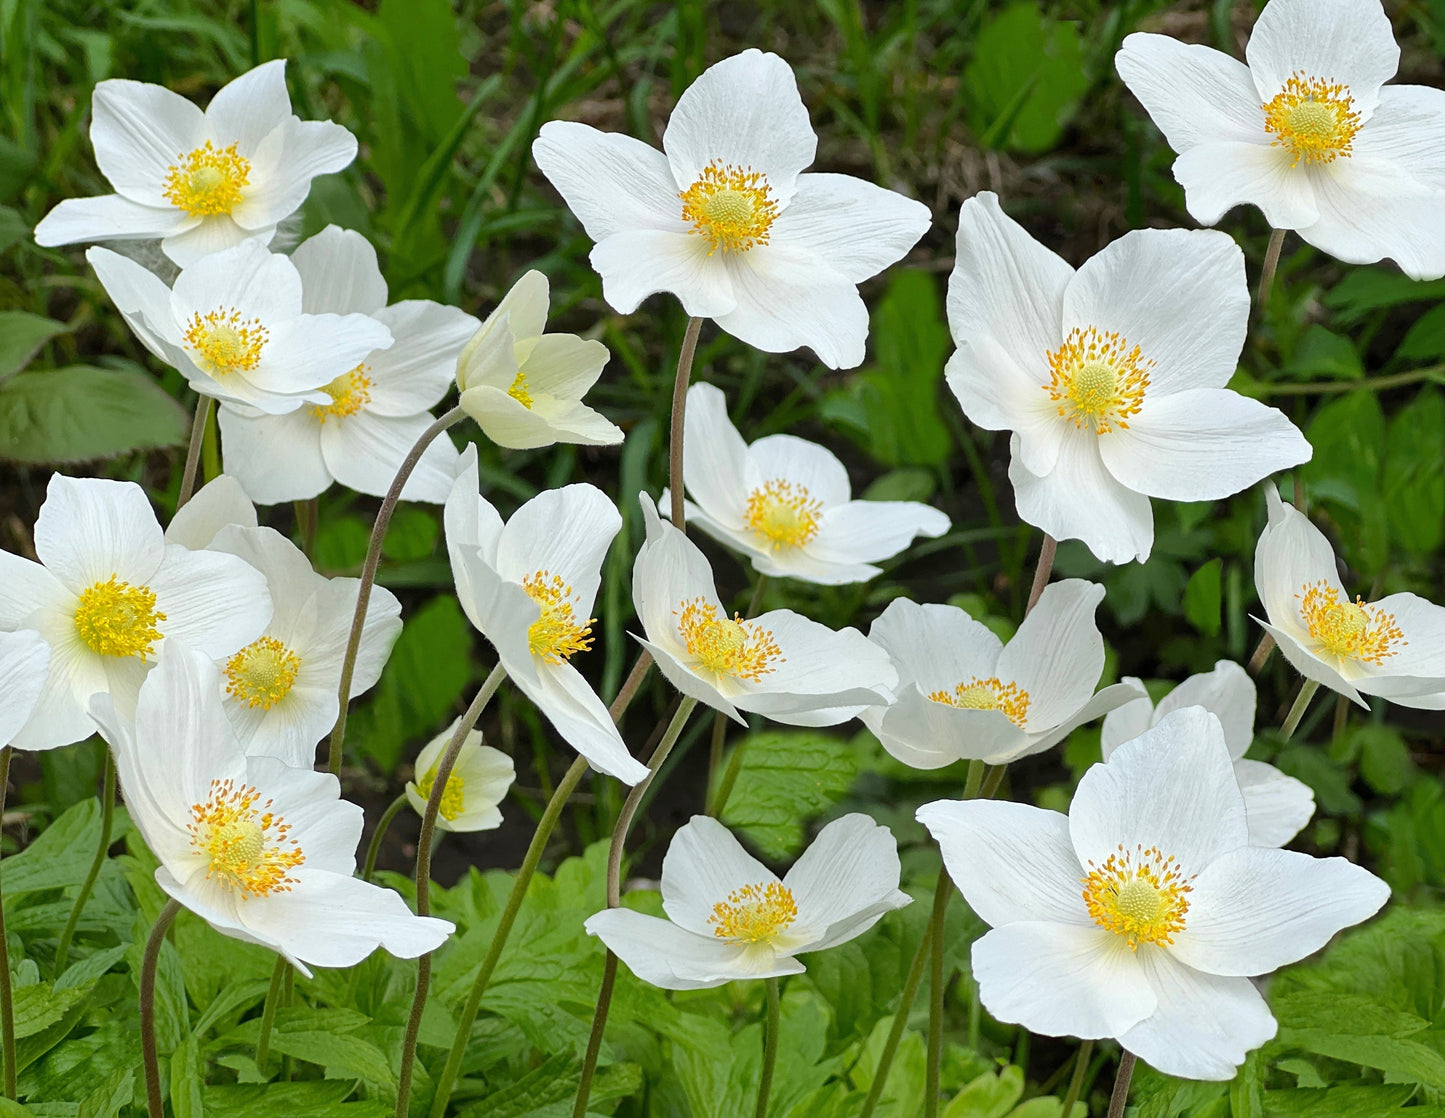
x=234, y=328
x=106, y=595
x=786, y=503
x=376, y=410
x=279, y=691
x=1112, y=378
x=731, y=917
x=201, y=181
x=523, y=387
x=780, y=664
x=1276, y=806
x=1141, y=914
x=261, y=851
x=218, y=504
x=24, y=666
x=477, y=785
x=963, y=693
x=1308, y=131
x=1394, y=647
x=529, y=586
x=723, y=218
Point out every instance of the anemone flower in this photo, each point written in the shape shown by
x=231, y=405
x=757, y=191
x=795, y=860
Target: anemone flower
x=475, y=789
x=24, y=665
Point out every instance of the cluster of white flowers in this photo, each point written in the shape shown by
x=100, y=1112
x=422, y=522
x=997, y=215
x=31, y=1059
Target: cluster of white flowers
x=209, y=654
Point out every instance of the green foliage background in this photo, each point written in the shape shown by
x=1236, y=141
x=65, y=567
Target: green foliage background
x=937, y=98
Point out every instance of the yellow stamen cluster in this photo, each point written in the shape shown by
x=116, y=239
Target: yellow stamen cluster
x=208, y=181
x=737, y=648
x=245, y=844
x=557, y=634
x=783, y=514
x=754, y=913
x=988, y=694
x=115, y=618
x=1349, y=630
x=1139, y=894
x=1097, y=378
x=1312, y=117
x=519, y=392
x=350, y=392
x=732, y=207
x=262, y=673
x=453, y=795
x=222, y=342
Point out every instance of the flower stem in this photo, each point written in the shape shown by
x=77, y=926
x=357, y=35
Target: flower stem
x=1121, y=1085
x=307, y=515
x=1076, y=1081
x=373, y=848
x=1042, y=571
x=7, y=1006
x=1261, y=654
x=679, y=409
x=1271, y=262
x=107, y=819
x=1369, y=384
x=771, y=1028
x=268, y=1013
x=941, y=895
x=1302, y=701
x=423, y=877
x=368, y=576
x=193, y=450
x=1342, y=717
x=718, y=793
x=900, y=1022
x=155, y=1104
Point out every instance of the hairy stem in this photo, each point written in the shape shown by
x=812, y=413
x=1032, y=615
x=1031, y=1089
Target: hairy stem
x=1369, y=384
x=1121, y=1085
x=771, y=1027
x=373, y=848
x=154, y=1101
x=1076, y=1081
x=941, y=895
x=1042, y=571
x=1261, y=654
x=900, y=1022
x=193, y=450
x=268, y=1012
x=679, y=409
x=107, y=821
x=1301, y=702
x=1271, y=263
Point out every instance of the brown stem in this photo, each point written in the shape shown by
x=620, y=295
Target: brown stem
x=193, y=451
x=900, y=1022
x=1271, y=262
x=154, y=1102
x=1121, y=1085
x=1042, y=571
x=1076, y=1081
x=1261, y=654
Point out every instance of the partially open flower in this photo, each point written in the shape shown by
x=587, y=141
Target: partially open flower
x=24, y=665
x=476, y=788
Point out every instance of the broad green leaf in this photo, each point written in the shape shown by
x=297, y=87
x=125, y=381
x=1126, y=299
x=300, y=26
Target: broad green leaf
x=1348, y=436
x=989, y=1095
x=1426, y=339
x=786, y=778
x=313, y=1099
x=412, y=534
x=1338, y=1102
x=21, y=336
x=1370, y=289
x=60, y=857
x=341, y=544
x=38, y=1007
x=1412, y=483
x=1384, y=757
x=325, y=1037
x=1322, y=354
x=1025, y=79
x=80, y=413
x=113, y=1092
x=188, y=1080
x=13, y=228
x=1202, y=598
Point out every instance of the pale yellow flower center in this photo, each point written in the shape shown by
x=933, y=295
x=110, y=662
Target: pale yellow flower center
x=519, y=392
x=783, y=514
x=245, y=844
x=988, y=694
x=350, y=392
x=737, y=648
x=733, y=207
x=208, y=181
x=1349, y=630
x=557, y=633
x=1140, y=895
x=1097, y=379
x=262, y=673
x=453, y=797
x=115, y=618
x=1313, y=118
x=221, y=341
x=754, y=913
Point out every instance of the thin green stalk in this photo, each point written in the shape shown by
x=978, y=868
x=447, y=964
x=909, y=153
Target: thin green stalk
x=155, y=1103
x=1076, y=1081
x=7, y=1004
x=307, y=519
x=771, y=1027
x=1121, y=1085
x=941, y=895
x=1302, y=701
x=268, y=1012
x=193, y=450
x=714, y=758
x=1369, y=384
x=1342, y=717
x=900, y=1022
x=107, y=821
x=1271, y=263
x=373, y=848
x=368, y=576
x=679, y=408
x=423, y=877
x=718, y=797
x=1261, y=654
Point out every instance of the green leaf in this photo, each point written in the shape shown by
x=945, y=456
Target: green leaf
x=1426, y=339
x=40, y=1006
x=1364, y=290
x=341, y=543
x=60, y=857
x=326, y=1037
x=1337, y=1102
x=188, y=1080
x=1203, y=601
x=1348, y=436
x=115, y=1091
x=988, y=1095
x=1322, y=354
x=13, y=228
x=314, y=1099
x=1412, y=484
x=411, y=535
x=80, y=413
x=786, y=778
x=1384, y=757
x=21, y=336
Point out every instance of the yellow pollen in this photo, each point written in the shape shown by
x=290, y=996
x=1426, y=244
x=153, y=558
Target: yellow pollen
x=754, y=913
x=208, y=181
x=783, y=514
x=1312, y=117
x=262, y=673
x=245, y=844
x=519, y=392
x=350, y=392
x=1097, y=378
x=731, y=206
x=737, y=648
x=1349, y=630
x=222, y=342
x=453, y=800
x=988, y=694
x=1140, y=896
x=555, y=635
x=115, y=618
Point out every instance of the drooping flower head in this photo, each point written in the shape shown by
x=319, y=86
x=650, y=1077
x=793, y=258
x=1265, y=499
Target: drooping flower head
x=731, y=917
x=200, y=181
x=1112, y=378
x=24, y=666
x=724, y=218
x=1142, y=913
x=376, y=410
x=963, y=693
x=475, y=789
x=1307, y=131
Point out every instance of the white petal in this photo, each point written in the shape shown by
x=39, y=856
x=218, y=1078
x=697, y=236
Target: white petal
x=336, y=605
x=1202, y=444
x=1346, y=41
x=935, y=646
x=1422, y=653
x=845, y=881
x=1010, y=861
x=1194, y=94
x=659, y=952
x=1204, y=1026
x=1178, y=294
x=286, y=161
x=364, y=452
x=1223, y=174
x=704, y=864
x=564, y=366
x=817, y=661
x=869, y=531
x=789, y=458
x=506, y=421
x=714, y=457
x=290, y=581
x=1102, y=702
x=669, y=571
x=1057, y=655
x=24, y=667
x=469, y=520
x=636, y=263
x=1061, y=979
x=1171, y=788
x=1362, y=219
x=580, y=717
x=327, y=827
x=744, y=111
x=248, y=107
x=311, y=350
x=670, y=662
x=108, y=217
x=1080, y=500
x=1226, y=692
x=787, y=298
x=141, y=297
x=577, y=423
x=275, y=458
x=339, y=272
x=61, y=715
x=1405, y=130
x=927, y=734
x=1128, y=721
x=563, y=532
x=1276, y=806
x=1309, y=665
x=1255, y=909
x=856, y=228
x=139, y=131
x=213, y=603
x=90, y=529
x=420, y=366
x=997, y=394
x=216, y=504
x=612, y=182
x=256, y=282
x=1291, y=553
x=209, y=236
